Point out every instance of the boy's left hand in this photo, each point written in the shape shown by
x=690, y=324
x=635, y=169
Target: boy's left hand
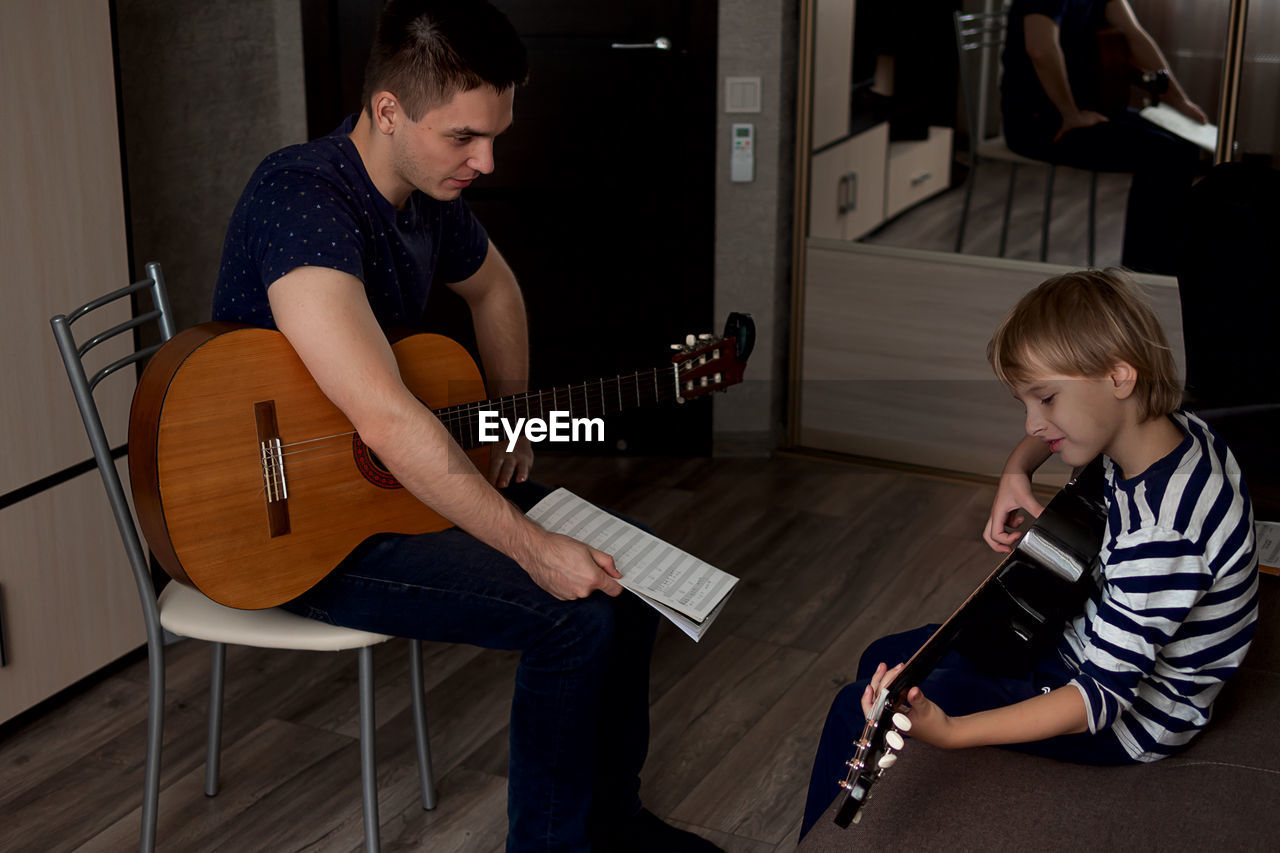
x=929, y=723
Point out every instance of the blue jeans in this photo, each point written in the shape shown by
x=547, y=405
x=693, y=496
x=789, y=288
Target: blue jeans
x=580, y=713
x=958, y=687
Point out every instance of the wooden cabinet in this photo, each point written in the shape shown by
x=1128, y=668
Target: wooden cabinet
x=69, y=601
x=832, y=70
x=847, y=186
x=917, y=170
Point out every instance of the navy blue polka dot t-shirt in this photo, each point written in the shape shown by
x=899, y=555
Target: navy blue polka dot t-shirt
x=314, y=205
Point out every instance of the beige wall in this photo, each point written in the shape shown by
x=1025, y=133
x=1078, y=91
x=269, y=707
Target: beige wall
x=208, y=90
x=753, y=220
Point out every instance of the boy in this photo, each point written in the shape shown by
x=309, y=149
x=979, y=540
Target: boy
x=1134, y=676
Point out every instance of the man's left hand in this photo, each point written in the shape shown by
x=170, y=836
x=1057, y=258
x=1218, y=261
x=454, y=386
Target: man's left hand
x=1187, y=108
x=514, y=467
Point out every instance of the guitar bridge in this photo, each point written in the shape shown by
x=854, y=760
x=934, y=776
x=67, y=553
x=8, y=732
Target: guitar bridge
x=275, y=486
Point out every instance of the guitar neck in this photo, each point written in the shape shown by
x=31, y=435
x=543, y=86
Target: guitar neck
x=593, y=398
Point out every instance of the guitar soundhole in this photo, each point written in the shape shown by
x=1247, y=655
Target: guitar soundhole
x=371, y=467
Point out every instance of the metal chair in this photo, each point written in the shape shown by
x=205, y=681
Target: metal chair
x=985, y=32
x=186, y=612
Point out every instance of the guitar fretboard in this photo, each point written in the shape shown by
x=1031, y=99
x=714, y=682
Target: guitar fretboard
x=594, y=398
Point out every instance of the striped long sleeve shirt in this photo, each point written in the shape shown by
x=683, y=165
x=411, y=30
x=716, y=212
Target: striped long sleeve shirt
x=1176, y=602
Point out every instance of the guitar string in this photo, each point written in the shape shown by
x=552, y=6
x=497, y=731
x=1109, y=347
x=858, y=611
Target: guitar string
x=462, y=414
x=325, y=446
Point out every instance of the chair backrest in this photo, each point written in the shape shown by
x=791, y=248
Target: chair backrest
x=979, y=34
x=83, y=385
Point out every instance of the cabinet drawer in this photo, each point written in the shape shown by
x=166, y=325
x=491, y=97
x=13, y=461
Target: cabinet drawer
x=917, y=170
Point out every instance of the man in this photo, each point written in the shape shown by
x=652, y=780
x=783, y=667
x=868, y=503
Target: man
x=338, y=240
x=1051, y=95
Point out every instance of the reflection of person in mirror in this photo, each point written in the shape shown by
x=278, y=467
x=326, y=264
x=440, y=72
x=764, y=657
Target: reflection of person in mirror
x=1051, y=97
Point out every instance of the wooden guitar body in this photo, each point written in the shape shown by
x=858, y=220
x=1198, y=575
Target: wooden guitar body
x=197, y=471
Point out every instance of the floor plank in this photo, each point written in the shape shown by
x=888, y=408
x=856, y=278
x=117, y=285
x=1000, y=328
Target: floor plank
x=830, y=555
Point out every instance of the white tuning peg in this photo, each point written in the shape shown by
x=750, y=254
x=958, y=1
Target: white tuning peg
x=894, y=740
x=705, y=336
x=678, y=347
x=901, y=722
x=690, y=340
x=887, y=760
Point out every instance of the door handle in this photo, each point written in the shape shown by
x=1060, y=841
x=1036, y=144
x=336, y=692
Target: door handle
x=847, y=192
x=660, y=43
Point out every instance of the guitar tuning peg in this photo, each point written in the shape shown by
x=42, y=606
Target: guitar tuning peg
x=887, y=760
x=677, y=347
x=894, y=740
x=705, y=336
x=690, y=340
x=902, y=722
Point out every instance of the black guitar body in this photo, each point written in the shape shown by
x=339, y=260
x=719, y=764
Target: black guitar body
x=1007, y=623
x=1019, y=613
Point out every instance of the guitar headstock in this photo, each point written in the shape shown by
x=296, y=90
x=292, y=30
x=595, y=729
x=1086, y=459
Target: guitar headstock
x=706, y=363
x=877, y=751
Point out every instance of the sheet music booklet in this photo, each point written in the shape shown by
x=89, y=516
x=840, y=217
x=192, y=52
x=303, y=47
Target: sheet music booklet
x=686, y=590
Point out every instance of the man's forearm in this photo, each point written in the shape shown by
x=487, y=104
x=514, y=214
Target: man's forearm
x=1148, y=56
x=502, y=334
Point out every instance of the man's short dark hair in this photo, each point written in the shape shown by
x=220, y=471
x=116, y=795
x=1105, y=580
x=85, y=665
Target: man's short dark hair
x=427, y=51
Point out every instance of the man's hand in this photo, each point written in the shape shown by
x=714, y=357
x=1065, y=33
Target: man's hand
x=1013, y=497
x=1076, y=120
x=929, y=723
x=1180, y=103
x=567, y=568
x=514, y=467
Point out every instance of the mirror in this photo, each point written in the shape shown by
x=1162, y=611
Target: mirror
x=899, y=175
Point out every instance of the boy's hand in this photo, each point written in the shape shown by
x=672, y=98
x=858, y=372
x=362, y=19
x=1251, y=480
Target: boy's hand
x=1012, y=498
x=929, y=723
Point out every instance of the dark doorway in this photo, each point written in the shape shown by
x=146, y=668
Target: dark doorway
x=603, y=199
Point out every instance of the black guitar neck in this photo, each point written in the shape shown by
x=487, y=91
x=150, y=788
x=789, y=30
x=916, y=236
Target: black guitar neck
x=1007, y=622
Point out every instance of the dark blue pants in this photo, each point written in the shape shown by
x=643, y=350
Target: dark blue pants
x=1163, y=167
x=580, y=713
x=957, y=687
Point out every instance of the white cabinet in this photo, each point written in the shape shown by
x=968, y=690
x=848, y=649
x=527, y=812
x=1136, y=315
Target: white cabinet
x=832, y=69
x=69, y=601
x=847, y=185
x=917, y=170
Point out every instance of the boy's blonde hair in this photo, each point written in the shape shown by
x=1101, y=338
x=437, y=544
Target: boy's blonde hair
x=1081, y=324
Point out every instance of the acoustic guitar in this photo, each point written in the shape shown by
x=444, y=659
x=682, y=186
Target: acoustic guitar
x=251, y=486
x=1005, y=625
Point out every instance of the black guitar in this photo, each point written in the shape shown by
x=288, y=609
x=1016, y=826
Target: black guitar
x=1005, y=625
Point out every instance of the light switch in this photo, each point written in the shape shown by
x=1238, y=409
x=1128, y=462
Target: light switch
x=742, y=94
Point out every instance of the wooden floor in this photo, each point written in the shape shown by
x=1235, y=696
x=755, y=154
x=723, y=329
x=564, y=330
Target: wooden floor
x=831, y=555
x=933, y=224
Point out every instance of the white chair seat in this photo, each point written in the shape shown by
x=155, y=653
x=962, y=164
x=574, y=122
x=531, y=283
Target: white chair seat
x=190, y=613
x=996, y=148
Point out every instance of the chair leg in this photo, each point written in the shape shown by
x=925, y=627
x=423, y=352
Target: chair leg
x=155, y=739
x=1008, y=209
x=425, y=775
x=213, y=750
x=968, y=197
x=368, y=766
x=1048, y=213
x=1093, y=212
